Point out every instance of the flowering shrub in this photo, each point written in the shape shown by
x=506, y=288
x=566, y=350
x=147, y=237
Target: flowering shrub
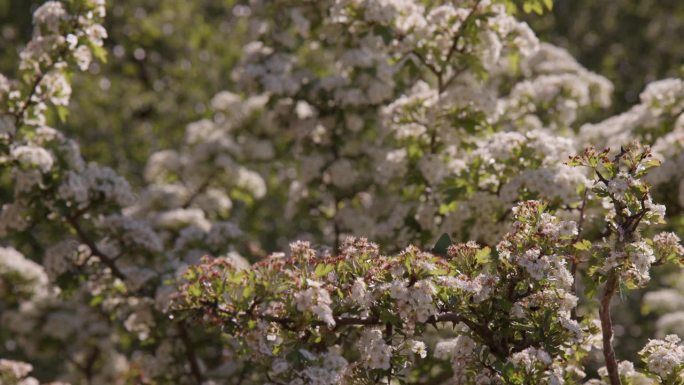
x=356, y=127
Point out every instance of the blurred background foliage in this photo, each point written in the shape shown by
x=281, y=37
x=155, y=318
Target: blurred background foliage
x=631, y=42
x=168, y=58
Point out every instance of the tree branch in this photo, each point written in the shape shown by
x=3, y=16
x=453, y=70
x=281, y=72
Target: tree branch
x=607, y=328
x=190, y=353
x=83, y=236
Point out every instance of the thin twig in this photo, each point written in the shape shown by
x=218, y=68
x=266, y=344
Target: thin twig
x=199, y=190
x=83, y=236
x=453, y=49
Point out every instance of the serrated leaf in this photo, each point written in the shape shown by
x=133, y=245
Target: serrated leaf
x=483, y=256
x=582, y=245
x=322, y=269
x=533, y=6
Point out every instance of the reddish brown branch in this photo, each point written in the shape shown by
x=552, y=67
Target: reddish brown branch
x=607, y=329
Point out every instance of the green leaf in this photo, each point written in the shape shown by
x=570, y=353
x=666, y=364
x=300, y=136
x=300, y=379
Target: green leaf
x=194, y=290
x=483, y=256
x=68, y=283
x=387, y=316
x=649, y=164
x=62, y=113
x=582, y=245
x=514, y=60
x=531, y=6
x=537, y=6
x=96, y=300
x=247, y=291
x=190, y=275
x=591, y=291
x=508, y=370
x=523, y=326
x=437, y=272
x=442, y=245
x=322, y=269
x=407, y=264
x=99, y=52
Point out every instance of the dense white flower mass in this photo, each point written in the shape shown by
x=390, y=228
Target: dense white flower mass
x=413, y=302
x=641, y=257
x=459, y=352
x=665, y=357
x=375, y=353
x=33, y=156
x=49, y=15
x=447, y=125
x=316, y=301
x=63, y=256
x=21, y=277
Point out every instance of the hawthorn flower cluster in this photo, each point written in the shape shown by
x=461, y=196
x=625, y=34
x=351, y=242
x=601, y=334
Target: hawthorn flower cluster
x=391, y=302
x=15, y=372
x=665, y=358
x=355, y=126
x=416, y=138
x=374, y=351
